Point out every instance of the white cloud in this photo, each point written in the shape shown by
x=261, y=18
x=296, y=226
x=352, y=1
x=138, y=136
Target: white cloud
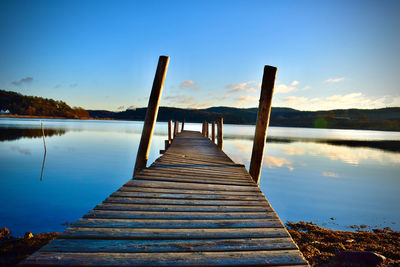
x=133, y=107
x=294, y=83
x=248, y=87
x=179, y=99
x=281, y=88
x=189, y=84
x=182, y=101
x=241, y=100
x=351, y=100
x=334, y=80
x=251, y=87
x=201, y=105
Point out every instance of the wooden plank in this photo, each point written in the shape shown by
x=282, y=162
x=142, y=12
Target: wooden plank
x=179, y=208
x=175, y=162
x=119, y=214
x=191, y=176
x=224, y=171
x=162, y=233
x=165, y=201
x=177, y=224
x=219, y=157
x=248, y=258
x=190, y=245
x=187, y=169
x=199, y=180
x=185, y=191
x=194, y=176
x=185, y=196
x=159, y=184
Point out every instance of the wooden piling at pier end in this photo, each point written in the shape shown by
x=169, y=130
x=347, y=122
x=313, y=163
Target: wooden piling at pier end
x=170, y=131
x=220, y=139
x=213, y=131
x=151, y=114
x=176, y=128
x=263, y=114
x=192, y=207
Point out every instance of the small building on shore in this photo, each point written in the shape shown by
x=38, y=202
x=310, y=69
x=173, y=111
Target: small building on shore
x=5, y=111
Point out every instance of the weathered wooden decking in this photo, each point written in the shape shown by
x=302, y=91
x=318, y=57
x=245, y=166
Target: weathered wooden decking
x=192, y=207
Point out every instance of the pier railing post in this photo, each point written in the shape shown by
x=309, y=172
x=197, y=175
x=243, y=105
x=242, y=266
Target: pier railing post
x=170, y=131
x=151, y=114
x=213, y=131
x=264, y=111
x=183, y=125
x=207, y=129
x=220, y=123
x=176, y=127
x=203, y=129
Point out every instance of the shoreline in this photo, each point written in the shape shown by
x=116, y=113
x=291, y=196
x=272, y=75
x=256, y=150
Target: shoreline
x=113, y=119
x=320, y=246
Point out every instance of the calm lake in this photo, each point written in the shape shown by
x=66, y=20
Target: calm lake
x=305, y=175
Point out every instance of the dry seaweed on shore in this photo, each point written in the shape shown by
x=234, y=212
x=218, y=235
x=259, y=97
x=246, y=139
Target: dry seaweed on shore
x=13, y=250
x=321, y=247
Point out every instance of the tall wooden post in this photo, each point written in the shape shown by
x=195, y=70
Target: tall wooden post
x=170, y=131
x=213, y=131
x=264, y=111
x=203, y=129
x=207, y=129
x=151, y=114
x=220, y=123
x=183, y=125
x=176, y=126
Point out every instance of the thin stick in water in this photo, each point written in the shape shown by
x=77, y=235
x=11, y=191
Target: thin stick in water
x=45, y=152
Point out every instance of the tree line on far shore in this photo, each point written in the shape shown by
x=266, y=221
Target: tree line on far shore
x=19, y=104
x=369, y=119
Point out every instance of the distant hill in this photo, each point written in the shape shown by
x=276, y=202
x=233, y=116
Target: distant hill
x=19, y=104
x=370, y=119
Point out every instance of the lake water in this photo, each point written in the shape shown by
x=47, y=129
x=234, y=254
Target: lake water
x=303, y=176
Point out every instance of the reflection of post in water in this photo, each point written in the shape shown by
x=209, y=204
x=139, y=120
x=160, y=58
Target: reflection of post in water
x=45, y=152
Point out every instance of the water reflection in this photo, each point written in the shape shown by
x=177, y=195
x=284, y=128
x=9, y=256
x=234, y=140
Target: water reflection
x=330, y=174
x=387, y=145
x=345, y=154
x=273, y=162
x=315, y=180
x=9, y=134
x=305, y=177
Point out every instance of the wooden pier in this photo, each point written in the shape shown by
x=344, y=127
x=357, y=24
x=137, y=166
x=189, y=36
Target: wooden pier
x=192, y=207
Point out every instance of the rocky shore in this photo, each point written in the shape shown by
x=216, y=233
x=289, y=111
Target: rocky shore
x=13, y=250
x=320, y=246
x=323, y=247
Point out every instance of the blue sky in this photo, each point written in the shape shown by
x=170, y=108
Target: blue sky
x=103, y=54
